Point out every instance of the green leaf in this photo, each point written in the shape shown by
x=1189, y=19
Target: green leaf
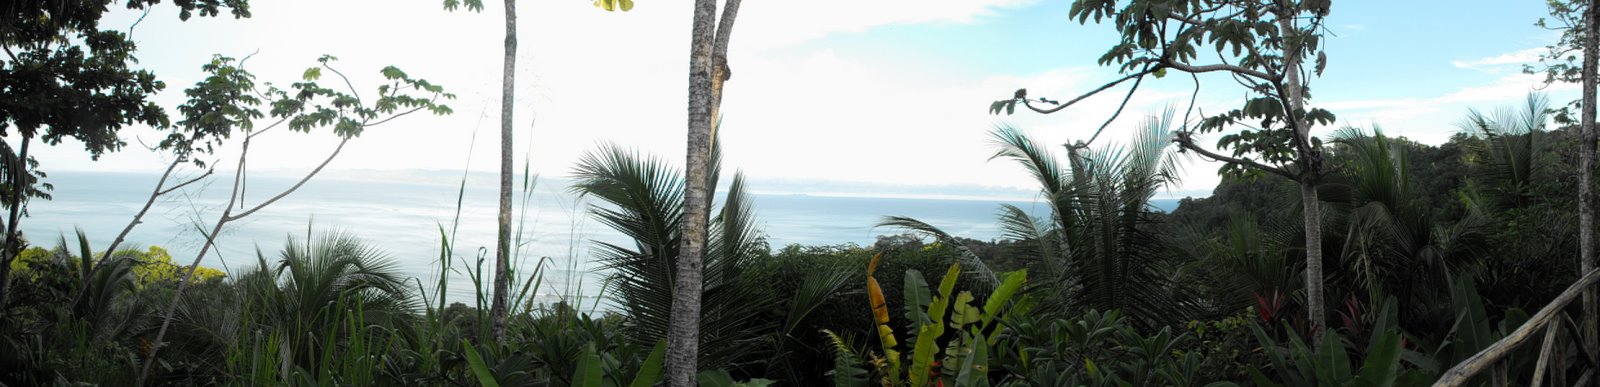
x=715, y=378
x=1333, y=365
x=1382, y=367
x=650, y=372
x=964, y=312
x=975, y=367
x=922, y=355
x=479, y=369
x=1002, y=295
x=917, y=300
x=312, y=74
x=588, y=373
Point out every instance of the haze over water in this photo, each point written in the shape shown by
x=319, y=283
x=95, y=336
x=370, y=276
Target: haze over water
x=402, y=214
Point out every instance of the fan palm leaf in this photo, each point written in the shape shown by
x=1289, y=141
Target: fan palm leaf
x=641, y=197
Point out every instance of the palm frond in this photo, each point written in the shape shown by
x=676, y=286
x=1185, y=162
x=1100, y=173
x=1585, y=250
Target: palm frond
x=968, y=259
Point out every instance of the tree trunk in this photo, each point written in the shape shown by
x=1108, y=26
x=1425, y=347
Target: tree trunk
x=1586, y=156
x=683, y=337
x=502, y=251
x=1313, y=218
x=1310, y=170
x=10, y=250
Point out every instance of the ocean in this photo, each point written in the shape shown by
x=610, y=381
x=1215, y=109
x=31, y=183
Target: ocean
x=402, y=215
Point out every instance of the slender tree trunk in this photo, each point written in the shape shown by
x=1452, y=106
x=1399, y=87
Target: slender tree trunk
x=502, y=251
x=1586, y=156
x=19, y=180
x=1311, y=164
x=683, y=337
x=720, y=72
x=1313, y=218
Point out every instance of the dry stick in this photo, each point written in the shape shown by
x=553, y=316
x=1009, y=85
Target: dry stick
x=1545, y=354
x=1461, y=373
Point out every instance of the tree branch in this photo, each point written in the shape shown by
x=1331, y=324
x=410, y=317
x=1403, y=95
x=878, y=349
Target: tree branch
x=347, y=84
x=397, y=115
x=720, y=72
x=296, y=185
x=190, y=181
x=1185, y=142
x=1218, y=67
x=1029, y=104
x=1117, y=113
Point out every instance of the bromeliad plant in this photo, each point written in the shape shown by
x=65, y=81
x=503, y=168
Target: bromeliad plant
x=952, y=338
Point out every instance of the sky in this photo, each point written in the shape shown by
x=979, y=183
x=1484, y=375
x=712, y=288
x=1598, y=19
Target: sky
x=887, y=95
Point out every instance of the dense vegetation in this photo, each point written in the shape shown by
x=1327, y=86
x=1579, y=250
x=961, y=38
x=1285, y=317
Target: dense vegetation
x=1433, y=253
x=1352, y=258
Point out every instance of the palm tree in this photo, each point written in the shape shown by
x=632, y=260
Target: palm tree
x=642, y=198
x=1393, y=244
x=1097, y=249
x=319, y=294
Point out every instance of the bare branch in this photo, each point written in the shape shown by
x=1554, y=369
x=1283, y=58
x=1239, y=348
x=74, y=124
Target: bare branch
x=1029, y=104
x=264, y=130
x=130, y=34
x=140, y=215
x=397, y=115
x=347, y=84
x=188, y=182
x=1117, y=113
x=296, y=185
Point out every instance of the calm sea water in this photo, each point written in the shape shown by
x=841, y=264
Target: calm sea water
x=404, y=217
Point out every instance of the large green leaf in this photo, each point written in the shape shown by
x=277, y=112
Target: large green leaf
x=975, y=366
x=964, y=313
x=1002, y=295
x=479, y=369
x=917, y=300
x=650, y=371
x=589, y=373
x=1382, y=365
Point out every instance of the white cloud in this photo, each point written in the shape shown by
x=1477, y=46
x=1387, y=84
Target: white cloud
x=586, y=76
x=1499, y=62
x=1432, y=119
x=778, y=23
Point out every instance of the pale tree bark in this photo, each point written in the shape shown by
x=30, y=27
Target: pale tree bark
x=683, y=337
x=708, y=70
x=502, y=250
x=1310, y=170
x=1312, y=208
x=1586, y=156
